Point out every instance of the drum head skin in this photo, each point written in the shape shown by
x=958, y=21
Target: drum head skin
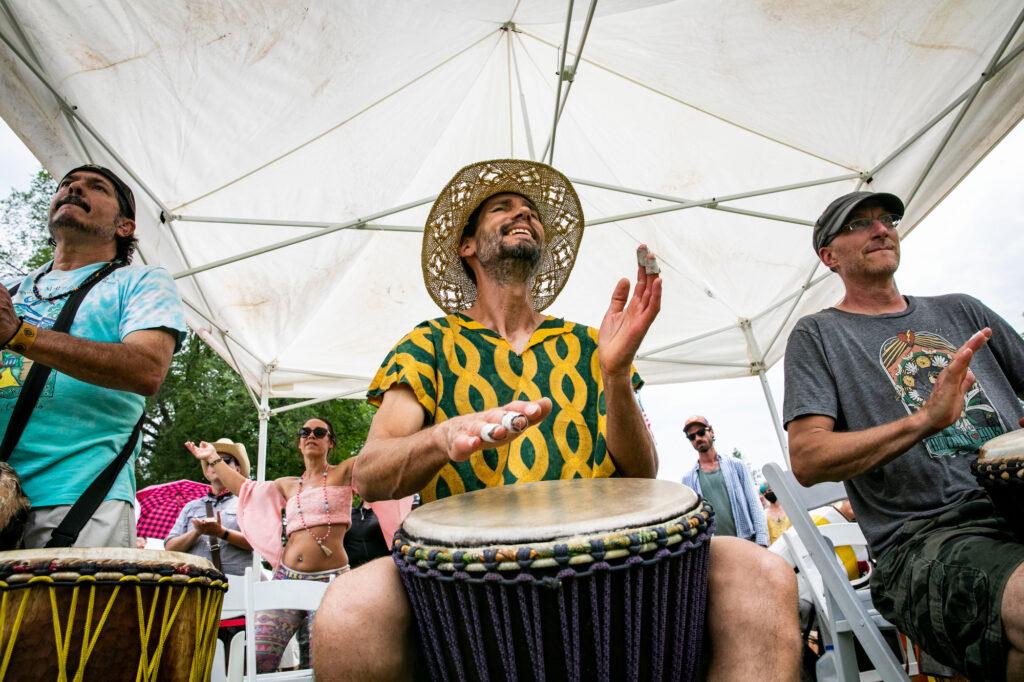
x=547, y=510
x=1010, y=445
x=106, y=556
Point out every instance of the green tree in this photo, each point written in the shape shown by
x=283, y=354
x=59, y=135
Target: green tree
x=202, y=398
x=24, y=215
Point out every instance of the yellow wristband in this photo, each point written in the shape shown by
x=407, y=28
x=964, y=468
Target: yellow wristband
x=23, y=338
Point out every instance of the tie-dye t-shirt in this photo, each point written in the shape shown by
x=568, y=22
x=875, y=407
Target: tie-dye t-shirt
x=457, y=366
x=77, y=428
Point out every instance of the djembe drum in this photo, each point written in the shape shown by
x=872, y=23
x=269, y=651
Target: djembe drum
x=588, y=579
x=1000, y=471
x=108, y=614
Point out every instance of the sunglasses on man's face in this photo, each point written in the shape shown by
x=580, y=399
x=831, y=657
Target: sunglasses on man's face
x=318, y=432
x=228, y=459
x=699, y=432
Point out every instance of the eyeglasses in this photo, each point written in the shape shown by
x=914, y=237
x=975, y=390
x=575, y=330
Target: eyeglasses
x=698, y=433
x=318, y=432
x=227, y=459
x=889, y=220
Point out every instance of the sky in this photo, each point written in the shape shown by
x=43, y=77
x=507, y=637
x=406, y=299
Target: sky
x=971, y=243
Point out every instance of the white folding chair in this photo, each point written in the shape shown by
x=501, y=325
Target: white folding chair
x=843, y=614
x=266, y=596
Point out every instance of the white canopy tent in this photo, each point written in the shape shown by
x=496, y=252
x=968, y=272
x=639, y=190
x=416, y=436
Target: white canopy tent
x=286, y=154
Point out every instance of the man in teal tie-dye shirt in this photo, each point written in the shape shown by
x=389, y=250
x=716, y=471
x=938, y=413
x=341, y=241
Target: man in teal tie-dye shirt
x=117, y=352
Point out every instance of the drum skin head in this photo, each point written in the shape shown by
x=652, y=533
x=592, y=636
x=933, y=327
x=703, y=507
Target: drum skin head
x=106, y=556
x=1010, y=445
x=547, y=510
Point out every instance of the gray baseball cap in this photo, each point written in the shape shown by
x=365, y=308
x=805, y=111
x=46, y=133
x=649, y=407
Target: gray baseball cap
x=838, y=213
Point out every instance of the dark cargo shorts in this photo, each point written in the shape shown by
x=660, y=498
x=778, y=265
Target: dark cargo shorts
x=942, y=585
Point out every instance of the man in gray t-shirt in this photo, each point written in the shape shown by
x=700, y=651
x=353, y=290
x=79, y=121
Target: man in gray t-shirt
x=895, y=395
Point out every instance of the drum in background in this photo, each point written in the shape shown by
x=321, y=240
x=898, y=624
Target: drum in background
x=108, y=614
x=587, y=579
x=1000, y=471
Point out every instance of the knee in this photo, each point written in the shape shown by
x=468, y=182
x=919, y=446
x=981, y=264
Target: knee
x=748, y=581
x=777, y=576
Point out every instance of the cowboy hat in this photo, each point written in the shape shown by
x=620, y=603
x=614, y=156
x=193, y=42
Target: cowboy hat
x=555, y=200
x=226, y=446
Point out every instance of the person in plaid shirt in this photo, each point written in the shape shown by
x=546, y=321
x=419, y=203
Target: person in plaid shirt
x=195, y=531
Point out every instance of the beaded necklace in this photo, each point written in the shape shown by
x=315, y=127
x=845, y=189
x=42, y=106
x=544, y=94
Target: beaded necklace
x=327, y=511
x=99, y=274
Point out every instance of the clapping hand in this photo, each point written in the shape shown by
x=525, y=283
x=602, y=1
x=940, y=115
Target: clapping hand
x=626, y=323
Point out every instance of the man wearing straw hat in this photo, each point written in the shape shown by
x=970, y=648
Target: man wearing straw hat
x=198, y=532
x=456, y=395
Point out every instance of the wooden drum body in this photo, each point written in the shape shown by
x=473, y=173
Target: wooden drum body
x=107, y=614
x=1000, y=471
x=587, y=579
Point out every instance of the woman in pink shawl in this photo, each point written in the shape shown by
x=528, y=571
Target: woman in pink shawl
x=298, y=524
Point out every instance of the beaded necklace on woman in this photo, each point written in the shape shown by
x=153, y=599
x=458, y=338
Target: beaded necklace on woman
x=320, y=541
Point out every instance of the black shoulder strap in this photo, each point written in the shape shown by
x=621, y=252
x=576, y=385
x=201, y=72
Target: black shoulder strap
x=81, y=511
x=38, y=374
x=13, y=290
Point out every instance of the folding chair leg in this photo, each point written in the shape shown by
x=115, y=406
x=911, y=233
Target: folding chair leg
x=846, y=657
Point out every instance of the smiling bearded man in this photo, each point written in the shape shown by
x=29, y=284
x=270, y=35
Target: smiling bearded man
x=498, y=247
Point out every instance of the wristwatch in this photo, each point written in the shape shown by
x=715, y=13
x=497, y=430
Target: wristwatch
x=225, y=535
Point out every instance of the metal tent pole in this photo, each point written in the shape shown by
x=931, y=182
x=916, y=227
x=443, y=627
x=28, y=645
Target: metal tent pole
x=757, y=367
x=261, y=451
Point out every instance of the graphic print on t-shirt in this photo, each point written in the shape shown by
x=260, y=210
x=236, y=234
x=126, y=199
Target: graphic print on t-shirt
x=913, y=361
x=14, y=368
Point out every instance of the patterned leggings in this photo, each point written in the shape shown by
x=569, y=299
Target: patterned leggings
x=274, y=629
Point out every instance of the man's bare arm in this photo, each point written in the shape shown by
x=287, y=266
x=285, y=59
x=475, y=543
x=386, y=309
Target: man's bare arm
x=629, y=441
x=137, y=364
x=401, y=456
x=819, y=453
x=623, y=328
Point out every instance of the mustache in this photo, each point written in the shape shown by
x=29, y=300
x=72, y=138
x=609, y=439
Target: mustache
x=72, y=199
x=517, y=225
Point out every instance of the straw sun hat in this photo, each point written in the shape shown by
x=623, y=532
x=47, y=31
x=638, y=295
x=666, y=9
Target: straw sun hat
x=560, y=213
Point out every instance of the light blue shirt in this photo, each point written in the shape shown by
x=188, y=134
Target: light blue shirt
x=747, y=511
x=77, y=428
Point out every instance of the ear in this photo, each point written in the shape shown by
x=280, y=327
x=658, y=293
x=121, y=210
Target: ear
x=467, y=248
x=828, y=258
x=126, y=228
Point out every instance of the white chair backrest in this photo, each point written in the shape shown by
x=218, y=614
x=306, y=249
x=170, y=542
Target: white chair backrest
x=820, y=494
x=234, y=599
x=843, y=534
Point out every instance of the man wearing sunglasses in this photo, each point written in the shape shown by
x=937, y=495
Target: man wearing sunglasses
x=894, y=395
x=725, y=482
x=197, y=532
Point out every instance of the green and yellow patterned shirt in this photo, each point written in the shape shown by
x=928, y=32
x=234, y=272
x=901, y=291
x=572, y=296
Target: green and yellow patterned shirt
x=457, y=366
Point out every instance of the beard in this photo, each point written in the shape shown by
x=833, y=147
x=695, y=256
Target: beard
x=507, y=264
x=66, y=222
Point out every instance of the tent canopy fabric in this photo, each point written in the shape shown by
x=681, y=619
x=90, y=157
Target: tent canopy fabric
x=311, y=138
